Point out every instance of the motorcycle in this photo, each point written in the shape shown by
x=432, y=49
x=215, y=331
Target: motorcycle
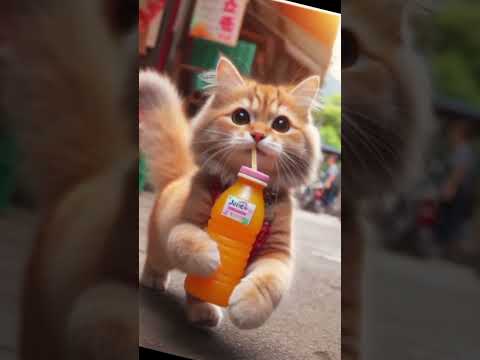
x=426, y=219
x=312, y=198
x=412, y=217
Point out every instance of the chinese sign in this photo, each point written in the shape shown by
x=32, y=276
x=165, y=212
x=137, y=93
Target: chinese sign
x=218, y=20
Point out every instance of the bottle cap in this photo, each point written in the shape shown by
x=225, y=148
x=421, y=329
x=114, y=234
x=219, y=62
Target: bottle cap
x=254, y=174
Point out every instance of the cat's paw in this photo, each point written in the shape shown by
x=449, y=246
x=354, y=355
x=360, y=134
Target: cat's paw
x=193, y=251
x=151, y=279
x=203, y=314
x=249, y=307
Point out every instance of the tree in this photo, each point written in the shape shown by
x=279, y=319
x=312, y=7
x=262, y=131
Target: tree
x=454, y=49
x=328, y=121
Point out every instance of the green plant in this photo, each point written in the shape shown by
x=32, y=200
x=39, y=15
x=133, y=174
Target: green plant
x=328, y=121
x=454, y=49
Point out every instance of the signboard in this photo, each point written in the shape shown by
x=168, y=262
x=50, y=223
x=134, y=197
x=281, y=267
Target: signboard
x=219, y=21
x=149, y=21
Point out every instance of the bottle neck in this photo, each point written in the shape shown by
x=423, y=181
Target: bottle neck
x=251, y=181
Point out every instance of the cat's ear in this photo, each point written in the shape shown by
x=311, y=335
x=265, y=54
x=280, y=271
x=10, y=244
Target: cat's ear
x=306, y=92
x=227, y=75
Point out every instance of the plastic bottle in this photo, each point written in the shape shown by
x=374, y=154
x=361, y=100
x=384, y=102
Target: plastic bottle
x=236, y=219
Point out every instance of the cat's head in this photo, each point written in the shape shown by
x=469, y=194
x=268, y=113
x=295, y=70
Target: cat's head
x=386, y=106
x=242, y=114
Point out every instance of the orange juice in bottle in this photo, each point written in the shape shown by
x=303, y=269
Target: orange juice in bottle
x=235, y=221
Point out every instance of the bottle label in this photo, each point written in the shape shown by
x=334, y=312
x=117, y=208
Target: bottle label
x=239, y=210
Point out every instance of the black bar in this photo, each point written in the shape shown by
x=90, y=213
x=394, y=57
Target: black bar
x=329, y=5
x=151, y=354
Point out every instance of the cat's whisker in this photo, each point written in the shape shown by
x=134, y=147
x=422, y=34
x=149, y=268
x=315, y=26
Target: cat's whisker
x=288, y=171
x=348, y=145
x=211, y=156
x=379, y=159
x=276, y=185
x=388, y=145
x=372, y=147
x=212, y=148
x=295, y=148
x=283, y=177
x=378, y=146
x=211, y=142
x=299, y=164
x=217, y=132
x=211, y=153
x=224, y=174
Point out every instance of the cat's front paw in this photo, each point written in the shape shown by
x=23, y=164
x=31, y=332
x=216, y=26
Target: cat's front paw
x=203, y=314
x=249, y=307
x=193, y=251
x=154, y=280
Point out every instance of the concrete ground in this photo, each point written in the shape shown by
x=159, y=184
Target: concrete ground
x=418, y=310
x=305, y=326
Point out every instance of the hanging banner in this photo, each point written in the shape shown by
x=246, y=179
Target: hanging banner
x=149, y=21
x=219, y=21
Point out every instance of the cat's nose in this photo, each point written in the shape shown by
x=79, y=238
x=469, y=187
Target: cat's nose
x=257, y=136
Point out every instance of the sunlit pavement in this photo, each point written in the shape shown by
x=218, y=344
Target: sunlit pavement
x=306, y=325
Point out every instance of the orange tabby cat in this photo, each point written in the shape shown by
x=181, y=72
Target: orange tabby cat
x=65, y=70
x=185, y=159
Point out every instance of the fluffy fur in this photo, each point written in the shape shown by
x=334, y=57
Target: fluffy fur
x=64, y=74
x=386, y=125
x=386, y=100
x=186, y=157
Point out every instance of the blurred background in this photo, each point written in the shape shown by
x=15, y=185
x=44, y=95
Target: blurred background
x=422, y=278
x=440, y=216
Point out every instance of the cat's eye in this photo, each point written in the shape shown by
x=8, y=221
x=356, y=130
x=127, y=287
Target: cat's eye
x=350, y=49
x=281, y=124
x=241, y=117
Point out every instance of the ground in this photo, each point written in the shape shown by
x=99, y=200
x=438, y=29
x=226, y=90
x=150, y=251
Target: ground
x=420, y=309
x=415, y=310
x=306, y=325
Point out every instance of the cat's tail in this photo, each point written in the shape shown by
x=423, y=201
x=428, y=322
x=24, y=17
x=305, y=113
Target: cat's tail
x=163, y=129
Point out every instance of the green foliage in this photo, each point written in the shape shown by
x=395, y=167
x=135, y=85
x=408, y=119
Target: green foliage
x=455, y=50
x=143, y=173
x=328, y=121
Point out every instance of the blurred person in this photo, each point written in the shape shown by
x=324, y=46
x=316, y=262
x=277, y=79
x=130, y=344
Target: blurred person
x=457, y=191
x=331, y=182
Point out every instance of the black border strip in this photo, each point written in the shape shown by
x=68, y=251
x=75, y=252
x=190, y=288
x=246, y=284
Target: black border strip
x=328, y=5
x=145, y=354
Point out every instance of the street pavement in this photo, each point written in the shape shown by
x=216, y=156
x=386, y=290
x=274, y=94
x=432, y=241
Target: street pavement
x=417, y=310
x=420, y=309
x=306, y=325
